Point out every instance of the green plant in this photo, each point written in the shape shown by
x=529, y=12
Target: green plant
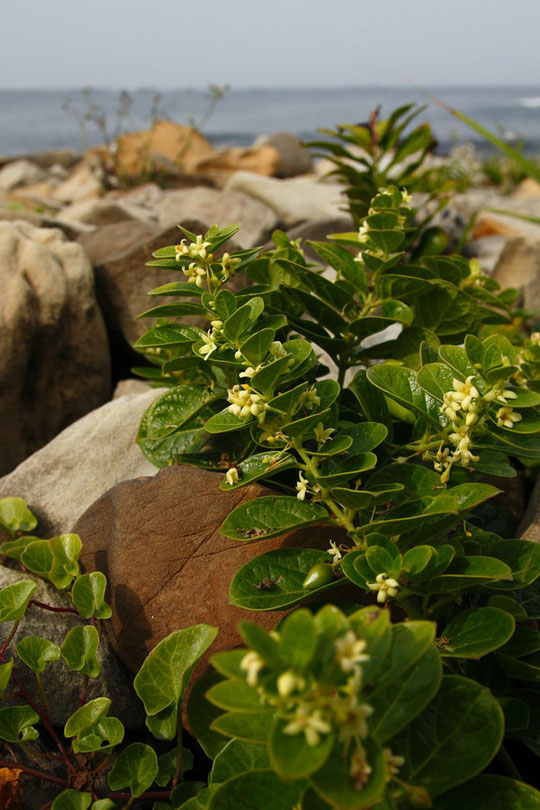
x=395, y=461
x=76, y=757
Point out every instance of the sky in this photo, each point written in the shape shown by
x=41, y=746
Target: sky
x=270, y=43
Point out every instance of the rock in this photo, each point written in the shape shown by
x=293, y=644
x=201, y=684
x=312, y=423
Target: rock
x=220, y=208
x=130, y=386
x=81, y=184
x=182, y=145
x=147, y=195
x=20, y=173
x=67, y=158
x=519, y=266
x=526, y=189
x=61, y=685
x=119, y=253
x=294, y=158
x=529, y=528
x=54, y=363
x=261, y=160
x=72, y=230
x=104, y=212
x=487, y=250
x=295, y=200
x=158, y=542
x=65, y=477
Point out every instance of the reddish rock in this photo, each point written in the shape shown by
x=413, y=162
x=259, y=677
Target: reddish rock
x=182, y=145
x=158, y=542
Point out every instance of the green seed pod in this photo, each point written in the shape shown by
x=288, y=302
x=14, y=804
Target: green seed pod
x=318, y=575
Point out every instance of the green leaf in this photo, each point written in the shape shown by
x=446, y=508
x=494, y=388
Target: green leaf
x=476, y=632
x=256, y=790
x=246, y=726
x=270, y=516
x=522, y=557
x=256, y=347
x=335, y=785
x=105, y=735
x=79, y=650
x=177, y=288
x=267, y=378
x=372, y=624
x=38, y=558
x=174, y=310
x=524, y=642
x=291, y=756
x=202, y=713
x=260, y=465
x=71, y=799
x=365, y=436
x=401, y=384
x=5, y=675
x=17, y=724
x=490, y=792
x=167, y=764
x=413, y=515
x=298, y=639
x=238, y=757
x=409, y=643
x=86, y=716
x=65, y=555
x=235, y=696
x=453, y=739
x=164, y=675
x=275, y=579
x=225, y=422
x=14, y=599
x=352, y=467
x=509, y=605
x=343, y=261
x=436, y=379
x=15, y=516
x=103, y=804
x=416, y=559
x=242, y=319
x=403, y=700
x=37, y=652
x=88, y=594
x=135, y=768
x=169, y=335
x=465, y=572
x=174, y=408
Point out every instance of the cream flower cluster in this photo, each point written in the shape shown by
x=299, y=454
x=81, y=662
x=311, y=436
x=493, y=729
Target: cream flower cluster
x=245, y=402
x=229, y=265
x=196, y=272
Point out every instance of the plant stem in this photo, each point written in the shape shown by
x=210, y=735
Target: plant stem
x=9, y=638
x=53, y=609
x=42, y=693
x=32, y=772
x=178, y=769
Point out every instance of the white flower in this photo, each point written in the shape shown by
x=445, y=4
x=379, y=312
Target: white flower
x=310, y=722
x=232, y=476
x=386, y=587
x=209, y=346
x=405, y=197
x=350, y=651
x=360, y=769
x=507, y=418
x=252, y=664
x=249, y=372
x=301, y=487
x=310, y=399
x=322, y=435
x=288, y=682
x=535, y=338
x=276, y=349
x=393, y=763
x=334, y=552
x=363, y=233
x=246, y=403
x=351, y=719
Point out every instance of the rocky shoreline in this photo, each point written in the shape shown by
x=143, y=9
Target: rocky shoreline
x=75, y=234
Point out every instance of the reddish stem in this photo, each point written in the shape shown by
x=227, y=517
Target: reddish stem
x=38, y=774
x=53, y=609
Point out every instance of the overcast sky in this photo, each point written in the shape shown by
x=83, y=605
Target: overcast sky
x=247, y=43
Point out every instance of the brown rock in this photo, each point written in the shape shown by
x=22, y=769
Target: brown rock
x=526, y=189
x=81, y=184
x=263, y=160
x=182, y=145
x=119, y=253
x=519, y=266
x=54, y=358
x=158, y=542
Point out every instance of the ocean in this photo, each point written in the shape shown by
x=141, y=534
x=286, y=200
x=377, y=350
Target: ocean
x=33, y=120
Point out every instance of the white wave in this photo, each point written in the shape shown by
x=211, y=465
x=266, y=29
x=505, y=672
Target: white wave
x=529, y=101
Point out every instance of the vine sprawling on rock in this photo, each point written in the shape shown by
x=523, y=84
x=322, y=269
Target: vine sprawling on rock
x=415, y=663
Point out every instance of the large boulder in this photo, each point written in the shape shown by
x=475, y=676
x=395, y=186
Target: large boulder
x=20, y=173
x=104, y=212
x=259, y=160
x=158, y=541
x=119, y=253
x=294, y=158
x=65, y=477
x=182, y=145
x=48, y=158
x=220, y=208
x=295, y=200
x=61, y=685
x=519, y=266
x=82, y=184
x=54, y=363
